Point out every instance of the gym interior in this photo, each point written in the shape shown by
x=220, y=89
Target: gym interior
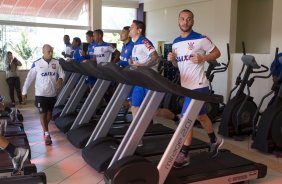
x=247, y=33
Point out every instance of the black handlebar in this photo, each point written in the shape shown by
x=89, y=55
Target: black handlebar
x=262, y=71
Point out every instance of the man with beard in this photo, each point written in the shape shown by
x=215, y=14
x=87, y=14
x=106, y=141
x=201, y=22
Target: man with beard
x=189, y=53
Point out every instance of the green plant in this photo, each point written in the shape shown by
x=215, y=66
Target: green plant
x=23, y=49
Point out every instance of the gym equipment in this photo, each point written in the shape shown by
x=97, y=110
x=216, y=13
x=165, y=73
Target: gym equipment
x=268, y=135
x=98, y=142
x=125, y=168
x=66, y=90
x=84, y=129
x=34, y=178
x=239, y=111
x=6, y=166
x=213, y=109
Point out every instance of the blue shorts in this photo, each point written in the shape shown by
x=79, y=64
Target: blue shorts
x=123, y=63
x=138, y=95
x=187, y=101
x=129, y=98
x=90, y=80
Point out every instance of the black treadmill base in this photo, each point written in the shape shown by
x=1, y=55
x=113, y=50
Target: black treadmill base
x=202, y=167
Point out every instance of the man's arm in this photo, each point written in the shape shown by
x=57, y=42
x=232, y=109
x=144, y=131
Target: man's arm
x=61, y=78
x=172, y=58
x=152, y=60
x=213, y=55
x=18, y=63
x=30, y=77
x=116, y=56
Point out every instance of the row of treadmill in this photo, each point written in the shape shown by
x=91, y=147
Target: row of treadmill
x=14, y=132
x=139, y=150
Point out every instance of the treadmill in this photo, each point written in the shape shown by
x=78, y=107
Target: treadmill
x=125, y=168
x=99, y=142
x=66, y=90
x=84, y=129
x=69, y=118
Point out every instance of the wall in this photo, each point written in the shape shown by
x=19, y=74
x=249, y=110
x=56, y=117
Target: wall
x=250, y=28
x=4, y=91
x=218, y=20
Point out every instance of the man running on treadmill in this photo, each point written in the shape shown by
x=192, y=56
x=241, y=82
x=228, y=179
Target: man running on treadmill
x=127, y=47
x=189, y=52
x=143, y=54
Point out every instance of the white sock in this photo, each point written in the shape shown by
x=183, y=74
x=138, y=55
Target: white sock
x=46, y=133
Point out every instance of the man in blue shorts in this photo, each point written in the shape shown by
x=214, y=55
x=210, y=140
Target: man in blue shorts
x=48, y=75
x=189, y=53
x=143, y=54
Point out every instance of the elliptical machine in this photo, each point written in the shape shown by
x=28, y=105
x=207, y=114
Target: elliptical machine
x=268, y=135
x=239, y=111
x=213, y=109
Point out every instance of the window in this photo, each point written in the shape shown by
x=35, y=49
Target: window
x=113, y=20
x=26, y=42
x=116, y=18
x=26, y=26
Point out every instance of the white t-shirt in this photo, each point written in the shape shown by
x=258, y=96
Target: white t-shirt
x=192, y=75
x=142, y=50
x=103, y=52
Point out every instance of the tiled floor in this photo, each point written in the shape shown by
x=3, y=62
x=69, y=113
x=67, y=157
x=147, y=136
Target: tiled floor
x=63, y=163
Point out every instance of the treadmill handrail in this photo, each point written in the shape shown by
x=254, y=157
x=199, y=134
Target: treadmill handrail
x=152, y=80
x=68, y=65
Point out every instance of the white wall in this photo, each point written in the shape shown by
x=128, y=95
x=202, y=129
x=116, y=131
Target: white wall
x=216, y=19
x=4, y=90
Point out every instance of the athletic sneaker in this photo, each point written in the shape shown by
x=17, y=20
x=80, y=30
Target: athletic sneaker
x=181, y=160
x=215, y=147
x=48, y=140
x=21, y=155
x=13, y=114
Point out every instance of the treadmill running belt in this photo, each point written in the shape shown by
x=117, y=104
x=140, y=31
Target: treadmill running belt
x=202, y=167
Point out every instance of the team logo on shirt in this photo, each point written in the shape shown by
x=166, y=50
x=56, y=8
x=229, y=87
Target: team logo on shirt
x=125, y=51
x=191, y=45
x=53, y=66
x=147, y=44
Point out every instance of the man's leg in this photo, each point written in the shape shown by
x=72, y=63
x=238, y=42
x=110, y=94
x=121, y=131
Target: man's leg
x=3, y=143
x=44, y=122
x=215, y=141
x=10, y=82
x=42, y=104
x=18, y=89
x=183, y=158
x=18, y=155
x=165, y=113
x=138, y=95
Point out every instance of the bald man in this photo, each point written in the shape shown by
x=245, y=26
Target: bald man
x=48, y=75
